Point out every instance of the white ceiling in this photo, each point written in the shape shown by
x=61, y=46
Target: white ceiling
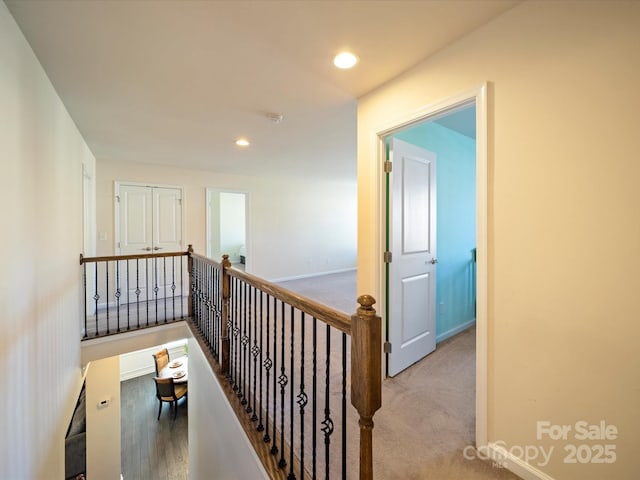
x=176, y=82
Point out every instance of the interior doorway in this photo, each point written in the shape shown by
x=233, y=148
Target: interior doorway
x=476, y=253
x=227, y=226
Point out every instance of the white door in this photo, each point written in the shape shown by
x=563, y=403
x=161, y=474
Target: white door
x=150, y=221
x=412, y=243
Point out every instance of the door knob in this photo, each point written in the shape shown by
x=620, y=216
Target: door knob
x=434, y=261
x=148, y=249
x=157, y=248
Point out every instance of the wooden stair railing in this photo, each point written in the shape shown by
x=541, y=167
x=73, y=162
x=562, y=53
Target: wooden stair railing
x=130, y=292
x=240, y=319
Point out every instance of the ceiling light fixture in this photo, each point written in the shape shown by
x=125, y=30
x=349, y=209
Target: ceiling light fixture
x=242, y=142
x=345, y=60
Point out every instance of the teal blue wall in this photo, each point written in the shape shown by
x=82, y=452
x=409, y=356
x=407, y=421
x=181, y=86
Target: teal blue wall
x=456, y=223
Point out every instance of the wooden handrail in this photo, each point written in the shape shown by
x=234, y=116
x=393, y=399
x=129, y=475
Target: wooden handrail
x=110, y=258
x=328, y=315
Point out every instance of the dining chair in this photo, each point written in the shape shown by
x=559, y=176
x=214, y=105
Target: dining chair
x=161, y=359
x=167, y=391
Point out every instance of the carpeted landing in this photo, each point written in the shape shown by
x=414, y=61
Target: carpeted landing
x=428, y=411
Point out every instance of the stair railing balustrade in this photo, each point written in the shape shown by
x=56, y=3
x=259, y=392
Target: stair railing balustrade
x=287, y=362
x=130, y=292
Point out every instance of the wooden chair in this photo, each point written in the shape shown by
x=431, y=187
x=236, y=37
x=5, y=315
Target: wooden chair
x=167, y=391
x=161, y=360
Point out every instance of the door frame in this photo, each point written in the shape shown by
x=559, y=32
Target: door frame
x=247, y=223
x=477, y=95
x=116, y=210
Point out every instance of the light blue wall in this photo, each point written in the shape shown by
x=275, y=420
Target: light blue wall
x=456, y=223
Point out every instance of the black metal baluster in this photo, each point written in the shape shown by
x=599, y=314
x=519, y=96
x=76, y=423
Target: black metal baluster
x=84, y=283
x=236, y=334
x=96, y=297
x=327, y=423
x=282, y=380
x=243, y=341
x=216, y=312
x=106, y=271
x=155, y=288
x=146, y=286
x=267, y=366
x=128, y=299
x=182, y=260
x=291, y=475
x=314, y=399
x=253, y=320
x=210, y=311
x=164, y=286
x=344, y=405
x=302, y=396
x=274, y=447
x=138, y=291
x=173, y=287
x=256, y=352
x=117, y=294
x=260, y=426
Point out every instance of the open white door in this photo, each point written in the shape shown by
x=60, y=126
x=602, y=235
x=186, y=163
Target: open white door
x=412, y=243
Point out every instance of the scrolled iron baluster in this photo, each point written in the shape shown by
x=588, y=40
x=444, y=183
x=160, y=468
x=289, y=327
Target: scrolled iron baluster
x=344, y=405
x=260, y=426
x=274, y=447
x=314, y=399
x=255, y=350
x=96, y=297
x=244, y=340
x=291, y=475
x=106, y=271
x=282, y=381
x=267, y=366
x=117, y=295
x=327, y=423
x=302, y=398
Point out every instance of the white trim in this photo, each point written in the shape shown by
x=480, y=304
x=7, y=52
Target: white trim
x=515, y=464
x=312, y=275
x=455, y=330
x=479, y=96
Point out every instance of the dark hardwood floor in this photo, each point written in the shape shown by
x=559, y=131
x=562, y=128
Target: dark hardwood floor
x=152, y=449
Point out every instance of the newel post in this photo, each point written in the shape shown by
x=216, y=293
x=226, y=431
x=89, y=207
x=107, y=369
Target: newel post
x=191, y=279
x=224, y=327
x=366, y=376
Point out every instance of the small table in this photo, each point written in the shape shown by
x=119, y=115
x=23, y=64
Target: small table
x=178, y=369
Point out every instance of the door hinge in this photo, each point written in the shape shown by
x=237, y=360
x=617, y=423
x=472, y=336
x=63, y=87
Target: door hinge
x=118, y=244
x=118, y=198
x=387, y=347
x=387, y=166
x=387, y=257
x=180, y=201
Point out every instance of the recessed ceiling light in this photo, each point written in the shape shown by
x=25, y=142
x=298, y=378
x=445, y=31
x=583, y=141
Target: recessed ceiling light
x=345, y=60
x=242, y=142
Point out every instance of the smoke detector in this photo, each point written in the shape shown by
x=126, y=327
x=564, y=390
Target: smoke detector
x=275, y=117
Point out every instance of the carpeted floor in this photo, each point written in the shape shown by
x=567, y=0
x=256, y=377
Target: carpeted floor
x=428, y=412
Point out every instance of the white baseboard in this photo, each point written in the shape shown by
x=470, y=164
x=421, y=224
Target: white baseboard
x=515, y=464
x=455, y=330
x=311, y=275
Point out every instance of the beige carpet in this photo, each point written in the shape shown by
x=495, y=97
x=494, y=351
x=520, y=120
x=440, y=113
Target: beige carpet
x=428, y=411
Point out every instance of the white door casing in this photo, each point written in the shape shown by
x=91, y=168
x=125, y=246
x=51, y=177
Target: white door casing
x=412, y=242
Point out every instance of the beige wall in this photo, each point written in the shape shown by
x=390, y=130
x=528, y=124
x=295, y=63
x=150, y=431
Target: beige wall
x=296, y=226
x=42, y=156
x=563, y=226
